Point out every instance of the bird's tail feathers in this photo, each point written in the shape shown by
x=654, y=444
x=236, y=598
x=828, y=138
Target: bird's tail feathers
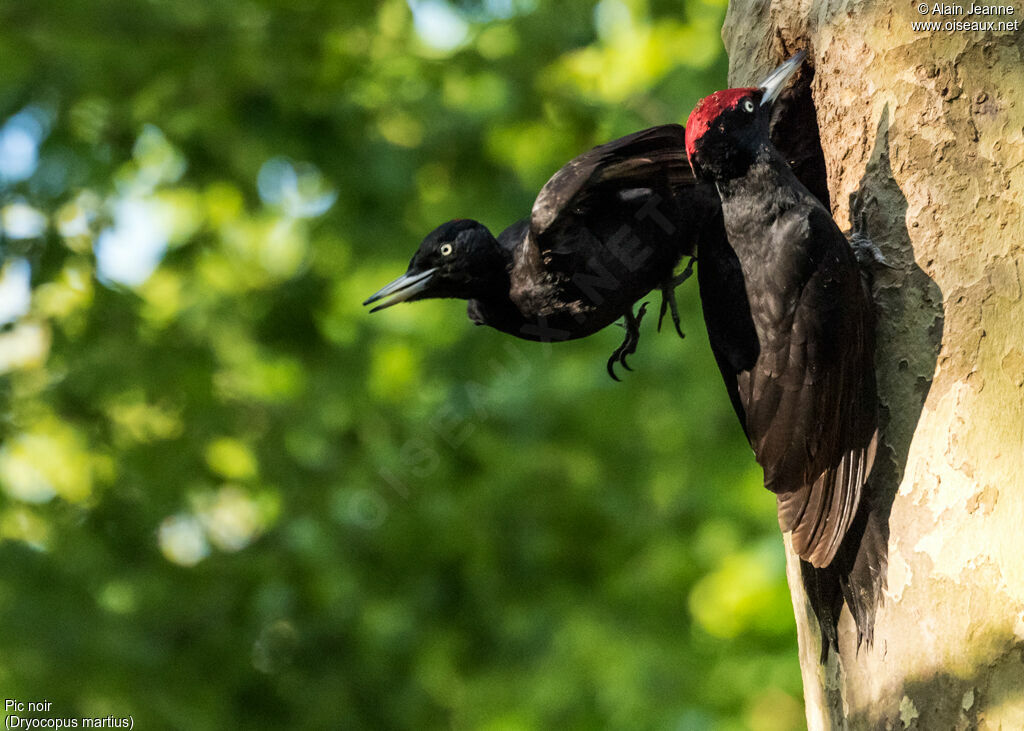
x=856, y=576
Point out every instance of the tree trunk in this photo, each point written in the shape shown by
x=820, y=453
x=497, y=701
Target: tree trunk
x=925, y=130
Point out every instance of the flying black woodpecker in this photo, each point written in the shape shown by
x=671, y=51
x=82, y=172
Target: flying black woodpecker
x=791, y=325
x=607, y=228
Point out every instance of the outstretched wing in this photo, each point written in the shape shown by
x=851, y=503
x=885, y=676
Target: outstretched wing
x=810, y=402
x=623, y=173
x=612, y=224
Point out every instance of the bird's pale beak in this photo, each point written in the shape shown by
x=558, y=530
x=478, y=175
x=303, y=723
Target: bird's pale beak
x=775, y=82
x=402, y=289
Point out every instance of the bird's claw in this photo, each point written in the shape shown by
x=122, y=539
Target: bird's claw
x=668, y=302
x=865, y=250
x=628, y=347
x=668, y=298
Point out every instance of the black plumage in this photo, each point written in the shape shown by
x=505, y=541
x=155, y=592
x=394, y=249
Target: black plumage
x=791, y=325
x=607, y=228
x=789, y=320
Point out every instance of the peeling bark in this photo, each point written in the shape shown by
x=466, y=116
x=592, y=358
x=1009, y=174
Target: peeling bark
x=926, y=130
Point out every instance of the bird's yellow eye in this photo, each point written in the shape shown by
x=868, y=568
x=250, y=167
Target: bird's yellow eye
x=748, y=105
x=446, y=249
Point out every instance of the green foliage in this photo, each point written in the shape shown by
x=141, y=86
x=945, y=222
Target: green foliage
x=232, y=499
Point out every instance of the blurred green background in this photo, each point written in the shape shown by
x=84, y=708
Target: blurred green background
x=232, y=499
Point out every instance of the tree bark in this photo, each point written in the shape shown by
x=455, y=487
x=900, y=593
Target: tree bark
x=925, y=130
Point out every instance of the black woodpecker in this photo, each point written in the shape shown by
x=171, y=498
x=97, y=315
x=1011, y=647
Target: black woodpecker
x=607, y=228
x=792, y=327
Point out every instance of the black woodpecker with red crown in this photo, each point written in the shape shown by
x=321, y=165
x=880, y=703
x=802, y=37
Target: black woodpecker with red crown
x=791, y=323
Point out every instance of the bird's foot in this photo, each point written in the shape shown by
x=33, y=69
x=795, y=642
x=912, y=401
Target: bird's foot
x=865, y=250
x=668, y=297
x=628, y=347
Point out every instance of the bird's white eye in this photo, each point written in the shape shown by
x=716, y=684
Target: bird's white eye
x=446, y=249
x=748, y=105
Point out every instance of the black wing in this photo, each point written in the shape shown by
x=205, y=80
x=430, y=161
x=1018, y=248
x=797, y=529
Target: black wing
x=810, y=403
x=624, y=173
x=612, y=224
